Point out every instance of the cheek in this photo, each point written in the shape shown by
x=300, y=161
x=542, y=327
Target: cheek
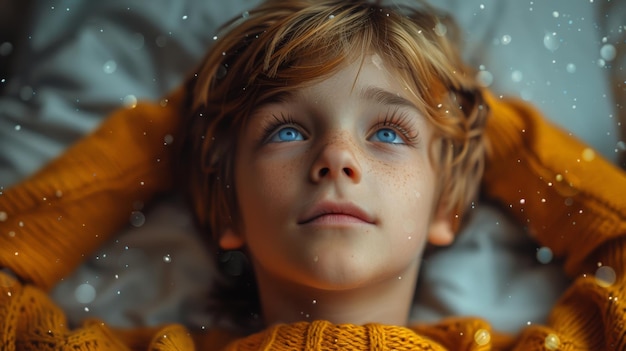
x=413, y=214
x=409, y=192
x=411, y=178
x=263, y=182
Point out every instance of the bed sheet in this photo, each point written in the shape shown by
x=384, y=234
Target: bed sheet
x=79, y=60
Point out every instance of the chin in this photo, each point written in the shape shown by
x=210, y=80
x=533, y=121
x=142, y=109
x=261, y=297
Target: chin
x=343, y=272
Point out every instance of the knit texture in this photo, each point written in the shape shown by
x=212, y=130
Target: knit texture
x=574, y=203
x=322, y=335
x=76, y=203
x=571, y=200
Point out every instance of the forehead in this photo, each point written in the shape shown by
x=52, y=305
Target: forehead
x=368, y=78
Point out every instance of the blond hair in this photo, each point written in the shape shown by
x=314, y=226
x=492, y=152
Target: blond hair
x=286, y=44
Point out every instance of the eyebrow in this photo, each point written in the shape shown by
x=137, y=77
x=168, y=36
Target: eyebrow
x=282, y=97
x=385, y=97
x=376, y=94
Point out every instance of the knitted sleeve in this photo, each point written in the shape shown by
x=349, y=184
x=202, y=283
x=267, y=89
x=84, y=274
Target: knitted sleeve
x=29, y=320
x=52, y=220
x=573, y=203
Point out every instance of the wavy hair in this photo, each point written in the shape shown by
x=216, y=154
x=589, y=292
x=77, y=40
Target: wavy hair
x=286, y=44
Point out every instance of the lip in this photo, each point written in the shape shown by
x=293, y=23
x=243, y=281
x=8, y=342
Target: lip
x=327, y=212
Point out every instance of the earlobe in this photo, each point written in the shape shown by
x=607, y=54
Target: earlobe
x=440, y=232
x=229, y=240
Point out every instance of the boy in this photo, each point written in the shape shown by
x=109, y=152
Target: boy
x=367, y=127
x=330, y=148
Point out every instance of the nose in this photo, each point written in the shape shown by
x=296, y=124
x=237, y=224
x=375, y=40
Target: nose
x=336, y=160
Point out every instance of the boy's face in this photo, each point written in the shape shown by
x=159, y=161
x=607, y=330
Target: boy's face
x=334, y=184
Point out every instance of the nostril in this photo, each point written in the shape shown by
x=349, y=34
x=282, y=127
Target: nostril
x=325, y=172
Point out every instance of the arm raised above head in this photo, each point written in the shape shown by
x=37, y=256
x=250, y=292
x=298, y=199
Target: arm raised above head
x=54, y=219
x=570, y=198
x=573, y=202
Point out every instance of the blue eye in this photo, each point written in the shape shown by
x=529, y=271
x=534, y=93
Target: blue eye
x=387, y=135
x=287, y=134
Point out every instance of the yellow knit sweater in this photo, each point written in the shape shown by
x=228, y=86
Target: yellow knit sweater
x=574, y=202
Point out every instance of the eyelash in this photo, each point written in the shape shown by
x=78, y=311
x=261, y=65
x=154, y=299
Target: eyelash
x=396, y=120
x=277, y=122
x=399, y=122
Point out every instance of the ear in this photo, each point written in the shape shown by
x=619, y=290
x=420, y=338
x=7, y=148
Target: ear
x=441, y=230
x=229, y=240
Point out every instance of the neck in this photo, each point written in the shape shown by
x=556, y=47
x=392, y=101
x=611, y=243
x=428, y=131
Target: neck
x=387, y=301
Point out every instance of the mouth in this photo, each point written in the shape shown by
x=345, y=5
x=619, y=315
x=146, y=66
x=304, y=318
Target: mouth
x=335, y=213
